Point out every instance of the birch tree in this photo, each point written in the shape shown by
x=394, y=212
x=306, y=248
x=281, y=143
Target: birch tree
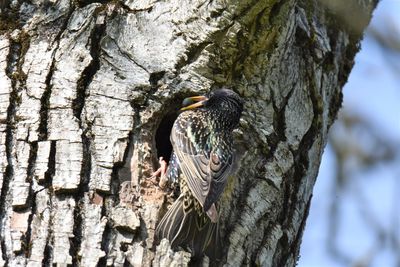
x=89, y=92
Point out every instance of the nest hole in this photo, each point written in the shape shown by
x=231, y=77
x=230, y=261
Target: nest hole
x=162, y=139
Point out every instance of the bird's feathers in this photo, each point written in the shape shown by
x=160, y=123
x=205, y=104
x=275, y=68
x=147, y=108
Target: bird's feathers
x=202, y=162
x=184, y=225
x=173, y=170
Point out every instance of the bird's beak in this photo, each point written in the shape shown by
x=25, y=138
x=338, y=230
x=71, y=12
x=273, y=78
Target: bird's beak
x=199, y=102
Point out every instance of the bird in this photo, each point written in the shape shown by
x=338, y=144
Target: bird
x=201, y=160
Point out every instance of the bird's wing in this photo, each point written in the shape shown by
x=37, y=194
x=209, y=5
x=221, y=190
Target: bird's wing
x=205, y=170
x=219, y=167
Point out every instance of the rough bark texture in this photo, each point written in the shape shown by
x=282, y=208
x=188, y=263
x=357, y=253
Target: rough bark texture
x=85, y=87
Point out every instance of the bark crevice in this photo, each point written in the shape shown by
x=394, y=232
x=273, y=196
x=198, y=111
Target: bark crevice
x=98, y=32
x=48, y=177
x=31, y=203
x=44, y=104
x=51, y=166
x=13, y=59
x=45, y=99
x=96, y=35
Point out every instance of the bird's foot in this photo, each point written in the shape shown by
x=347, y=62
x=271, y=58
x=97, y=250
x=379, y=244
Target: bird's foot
x=162, y=173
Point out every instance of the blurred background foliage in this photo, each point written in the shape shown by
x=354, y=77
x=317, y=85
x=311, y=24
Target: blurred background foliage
x=355, y=213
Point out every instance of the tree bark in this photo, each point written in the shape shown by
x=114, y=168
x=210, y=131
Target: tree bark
x=88, y=92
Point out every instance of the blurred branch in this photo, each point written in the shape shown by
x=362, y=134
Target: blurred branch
x=389, y=41
x=358, y=146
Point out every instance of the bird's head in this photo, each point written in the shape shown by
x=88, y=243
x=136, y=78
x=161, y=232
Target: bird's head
x=224, y=104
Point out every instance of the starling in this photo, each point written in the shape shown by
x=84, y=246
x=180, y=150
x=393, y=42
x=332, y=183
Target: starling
x=202, y=158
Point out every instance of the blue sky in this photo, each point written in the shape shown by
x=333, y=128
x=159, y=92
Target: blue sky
x=373, y=92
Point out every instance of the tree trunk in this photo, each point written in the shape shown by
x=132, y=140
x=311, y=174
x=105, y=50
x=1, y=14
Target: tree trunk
x=89, y=91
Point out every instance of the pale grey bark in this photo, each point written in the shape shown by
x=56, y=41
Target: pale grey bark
x=85, y=86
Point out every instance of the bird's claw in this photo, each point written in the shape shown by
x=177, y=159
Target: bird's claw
x=161, y=172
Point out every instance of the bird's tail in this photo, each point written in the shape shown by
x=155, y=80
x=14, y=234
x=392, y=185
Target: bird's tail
x=186, y=228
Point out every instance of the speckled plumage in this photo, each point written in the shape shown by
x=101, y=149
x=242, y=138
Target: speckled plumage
x=202, y=159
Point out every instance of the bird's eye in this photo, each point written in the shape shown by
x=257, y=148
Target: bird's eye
x=224, y=105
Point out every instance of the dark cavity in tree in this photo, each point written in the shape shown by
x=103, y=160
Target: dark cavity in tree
x=163, y=143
